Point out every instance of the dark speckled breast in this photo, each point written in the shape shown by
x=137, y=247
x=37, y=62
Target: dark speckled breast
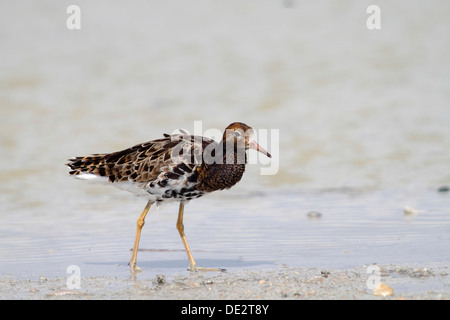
x=220, y=176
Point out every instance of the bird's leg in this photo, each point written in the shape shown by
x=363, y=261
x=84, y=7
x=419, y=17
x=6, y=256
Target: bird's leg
x=180, y=227
x=140, y=223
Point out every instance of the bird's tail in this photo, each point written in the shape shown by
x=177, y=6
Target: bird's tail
x=89, y=167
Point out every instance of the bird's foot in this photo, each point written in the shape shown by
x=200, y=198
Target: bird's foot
x=134, y=268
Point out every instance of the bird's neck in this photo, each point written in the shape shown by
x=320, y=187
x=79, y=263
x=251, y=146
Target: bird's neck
x=233, y=153
x=218, y=176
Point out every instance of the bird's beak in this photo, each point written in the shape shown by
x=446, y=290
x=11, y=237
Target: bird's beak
x=253, y=145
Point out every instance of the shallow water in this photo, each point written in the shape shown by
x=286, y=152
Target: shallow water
x=234, y=231
x=362, y=116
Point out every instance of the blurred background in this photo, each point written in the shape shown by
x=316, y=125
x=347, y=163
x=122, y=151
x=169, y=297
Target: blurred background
x=356, y=108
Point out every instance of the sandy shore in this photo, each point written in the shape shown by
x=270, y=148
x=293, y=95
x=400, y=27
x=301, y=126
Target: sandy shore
x=403, y=282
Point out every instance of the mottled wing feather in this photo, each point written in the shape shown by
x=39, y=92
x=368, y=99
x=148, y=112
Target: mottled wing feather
x=121, y=165
x=166, y=158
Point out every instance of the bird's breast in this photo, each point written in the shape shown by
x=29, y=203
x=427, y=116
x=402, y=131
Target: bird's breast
x=220, y=176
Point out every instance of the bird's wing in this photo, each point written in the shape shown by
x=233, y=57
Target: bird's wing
x=173, y=154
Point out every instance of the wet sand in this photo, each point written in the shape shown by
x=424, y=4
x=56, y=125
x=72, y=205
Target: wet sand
x=283, y=283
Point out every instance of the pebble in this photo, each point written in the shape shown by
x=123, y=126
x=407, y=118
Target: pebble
x=443, y=189
x=383, y=290
x=160, y=279
x=325, y=273
x=420, y=272
x=314, y=215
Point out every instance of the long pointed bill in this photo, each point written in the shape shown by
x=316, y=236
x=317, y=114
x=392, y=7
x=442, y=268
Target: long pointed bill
x=253, y=145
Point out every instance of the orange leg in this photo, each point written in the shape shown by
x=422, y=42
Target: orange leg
x=180, y=227
x=140, y=223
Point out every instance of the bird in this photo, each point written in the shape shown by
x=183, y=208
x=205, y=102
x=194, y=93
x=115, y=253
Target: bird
x=177, y=167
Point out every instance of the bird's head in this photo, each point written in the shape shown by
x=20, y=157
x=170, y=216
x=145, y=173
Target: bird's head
x=241, y=135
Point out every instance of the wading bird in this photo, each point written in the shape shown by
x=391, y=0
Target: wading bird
x=177, y=167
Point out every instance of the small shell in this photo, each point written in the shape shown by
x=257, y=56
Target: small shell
x=409, y=211
x=383, y=290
